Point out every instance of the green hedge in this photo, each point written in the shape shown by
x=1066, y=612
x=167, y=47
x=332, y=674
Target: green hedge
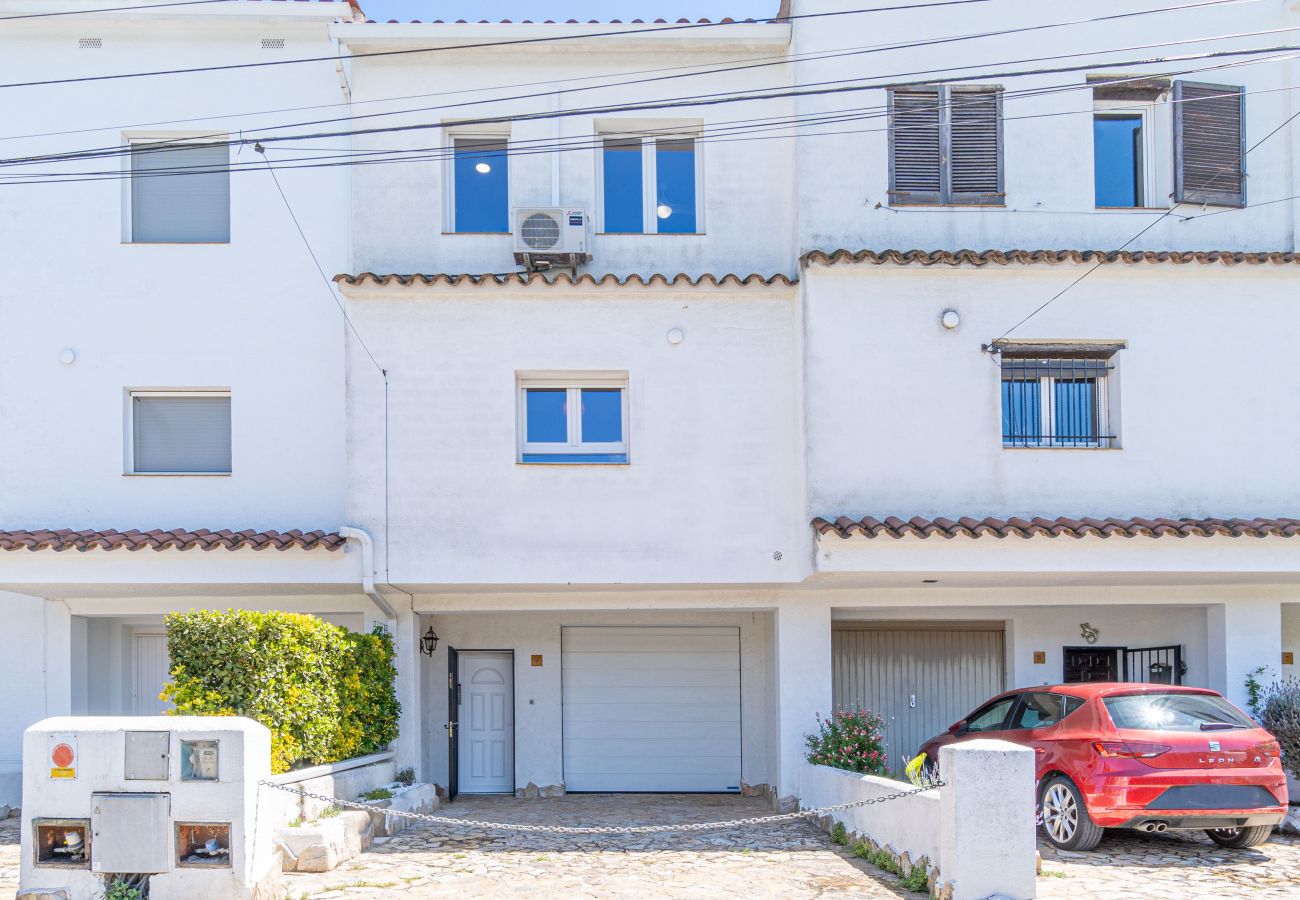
x=326, y=693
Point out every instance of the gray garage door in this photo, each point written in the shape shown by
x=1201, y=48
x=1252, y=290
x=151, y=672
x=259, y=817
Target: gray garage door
x=918, y=679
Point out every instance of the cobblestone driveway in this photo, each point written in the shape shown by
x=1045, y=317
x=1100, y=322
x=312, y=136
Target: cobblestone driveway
x=775, y=861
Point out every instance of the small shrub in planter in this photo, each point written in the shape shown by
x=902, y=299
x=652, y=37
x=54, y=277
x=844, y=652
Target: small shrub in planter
x=1279, y=711
x=406, y=776
x=851, y=739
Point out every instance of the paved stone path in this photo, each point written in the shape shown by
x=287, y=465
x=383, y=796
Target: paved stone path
x=1128, y=865
x=795, y=861
x=8, y=857
x=786, y=861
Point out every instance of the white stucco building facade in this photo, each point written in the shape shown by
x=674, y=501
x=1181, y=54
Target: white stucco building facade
x=807, y=478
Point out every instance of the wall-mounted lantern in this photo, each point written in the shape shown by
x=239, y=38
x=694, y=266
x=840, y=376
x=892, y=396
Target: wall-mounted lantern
x=429, y=642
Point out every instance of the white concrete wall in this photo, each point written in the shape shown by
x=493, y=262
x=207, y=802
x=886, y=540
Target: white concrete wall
x=538, y=715
x=251, y=315
x=1048, y=165
x=906, y=825
x=710, y=494
x=924, y=437
x=1290, y=637
x=36, y=674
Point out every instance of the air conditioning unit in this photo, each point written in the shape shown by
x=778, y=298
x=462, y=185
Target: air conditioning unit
x=546, y=237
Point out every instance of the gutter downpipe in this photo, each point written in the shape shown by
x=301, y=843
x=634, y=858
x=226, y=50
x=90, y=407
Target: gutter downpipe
x=367, y=545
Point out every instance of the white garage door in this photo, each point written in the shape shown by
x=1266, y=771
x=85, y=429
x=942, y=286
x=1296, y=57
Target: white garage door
x=651, y=708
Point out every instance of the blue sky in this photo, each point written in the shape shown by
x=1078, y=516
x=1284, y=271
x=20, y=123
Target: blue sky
x=567, y=9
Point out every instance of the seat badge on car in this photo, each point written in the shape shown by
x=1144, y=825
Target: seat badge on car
x=1214, y=745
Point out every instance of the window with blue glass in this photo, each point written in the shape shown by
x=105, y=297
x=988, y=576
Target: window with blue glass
x=1058, y=401
x=650, y=185
x=1117, y=152
x=480, y=185
x=573, y=420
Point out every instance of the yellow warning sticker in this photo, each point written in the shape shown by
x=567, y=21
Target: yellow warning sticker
x=63, y=773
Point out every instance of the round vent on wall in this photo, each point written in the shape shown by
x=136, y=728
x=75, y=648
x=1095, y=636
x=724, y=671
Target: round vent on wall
x=541, y=232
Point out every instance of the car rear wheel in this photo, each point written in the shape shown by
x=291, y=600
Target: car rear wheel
x=1240, y=838
x=1065, y=818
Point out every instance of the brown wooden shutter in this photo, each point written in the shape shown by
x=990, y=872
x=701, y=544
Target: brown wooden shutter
x=975, y=152
x=1209, y=144
x=915, y=154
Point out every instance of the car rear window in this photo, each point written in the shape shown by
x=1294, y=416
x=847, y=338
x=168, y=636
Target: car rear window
x=1174, y=711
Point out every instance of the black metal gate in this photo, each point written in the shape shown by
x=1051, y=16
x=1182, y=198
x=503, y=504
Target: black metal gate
x=1154, y=665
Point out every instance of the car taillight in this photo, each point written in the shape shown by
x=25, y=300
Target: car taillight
x=1269, y=750
x=1129, y=749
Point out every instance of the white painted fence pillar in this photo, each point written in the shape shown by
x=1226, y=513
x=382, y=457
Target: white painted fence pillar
x=986, y=822
x=803, y=670
x=1243, y=635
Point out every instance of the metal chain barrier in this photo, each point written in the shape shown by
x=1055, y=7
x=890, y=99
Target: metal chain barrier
x=604, y=829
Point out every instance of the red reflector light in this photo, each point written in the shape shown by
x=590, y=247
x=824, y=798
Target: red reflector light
x=1269, y=750
x=1129, y=749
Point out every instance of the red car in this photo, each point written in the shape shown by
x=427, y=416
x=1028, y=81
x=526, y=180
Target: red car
x=1144, y=756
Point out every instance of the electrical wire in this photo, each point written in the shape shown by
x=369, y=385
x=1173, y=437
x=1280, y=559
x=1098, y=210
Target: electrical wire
x=1217, y=175
x=779, y=59
x=586, y=142
x=261, y=133
x=822, y=88
x=319, y=268
x=518, y=41
x=85, y=12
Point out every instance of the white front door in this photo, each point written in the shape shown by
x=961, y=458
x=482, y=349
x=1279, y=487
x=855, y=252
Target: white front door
x=487, y=723
x=152, y=671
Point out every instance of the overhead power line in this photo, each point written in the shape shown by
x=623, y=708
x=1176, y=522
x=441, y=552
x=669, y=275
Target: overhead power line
x=837, y=86
x=750, y=63
x=108, y=9
x=582, y=36
x=1169, y=212
x=722, y=132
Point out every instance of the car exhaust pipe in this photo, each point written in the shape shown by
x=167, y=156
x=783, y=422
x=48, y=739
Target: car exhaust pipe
x=1154, y=827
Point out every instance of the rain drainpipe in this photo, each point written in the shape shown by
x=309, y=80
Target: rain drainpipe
x=367, y=545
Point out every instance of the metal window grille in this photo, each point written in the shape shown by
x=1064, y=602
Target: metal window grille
x=1056, y=402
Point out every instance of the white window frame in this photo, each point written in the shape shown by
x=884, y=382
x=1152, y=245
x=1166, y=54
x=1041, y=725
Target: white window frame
x=1157, y=132
x=128, y=443
x=165, y=137
x=574, y=383
x=650, y=180
x=449, y=176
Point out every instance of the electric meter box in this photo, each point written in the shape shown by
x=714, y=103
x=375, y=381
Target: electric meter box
x=148, y=756
x=170, y=802
x=130, y=832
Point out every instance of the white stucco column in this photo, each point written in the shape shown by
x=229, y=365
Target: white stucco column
x=410, y=692
x=1243, y=635
x=803, y=682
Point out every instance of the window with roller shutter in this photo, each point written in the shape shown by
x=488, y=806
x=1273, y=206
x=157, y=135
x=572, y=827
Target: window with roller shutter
x=1209, y=144
x=945, y=146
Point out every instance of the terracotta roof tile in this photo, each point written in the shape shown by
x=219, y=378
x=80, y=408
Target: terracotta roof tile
x=1028, y=257
x=177, y=538
x=895, y=527
x=723, y=21
x=565, y=278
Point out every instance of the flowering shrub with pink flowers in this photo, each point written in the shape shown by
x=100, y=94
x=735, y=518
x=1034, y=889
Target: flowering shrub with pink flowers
x=852, y=739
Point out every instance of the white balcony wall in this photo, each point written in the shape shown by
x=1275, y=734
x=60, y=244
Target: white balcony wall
x=399, y=215
x=251, y=315
x=916, y=430
x=710, y=494
x=843, y=168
